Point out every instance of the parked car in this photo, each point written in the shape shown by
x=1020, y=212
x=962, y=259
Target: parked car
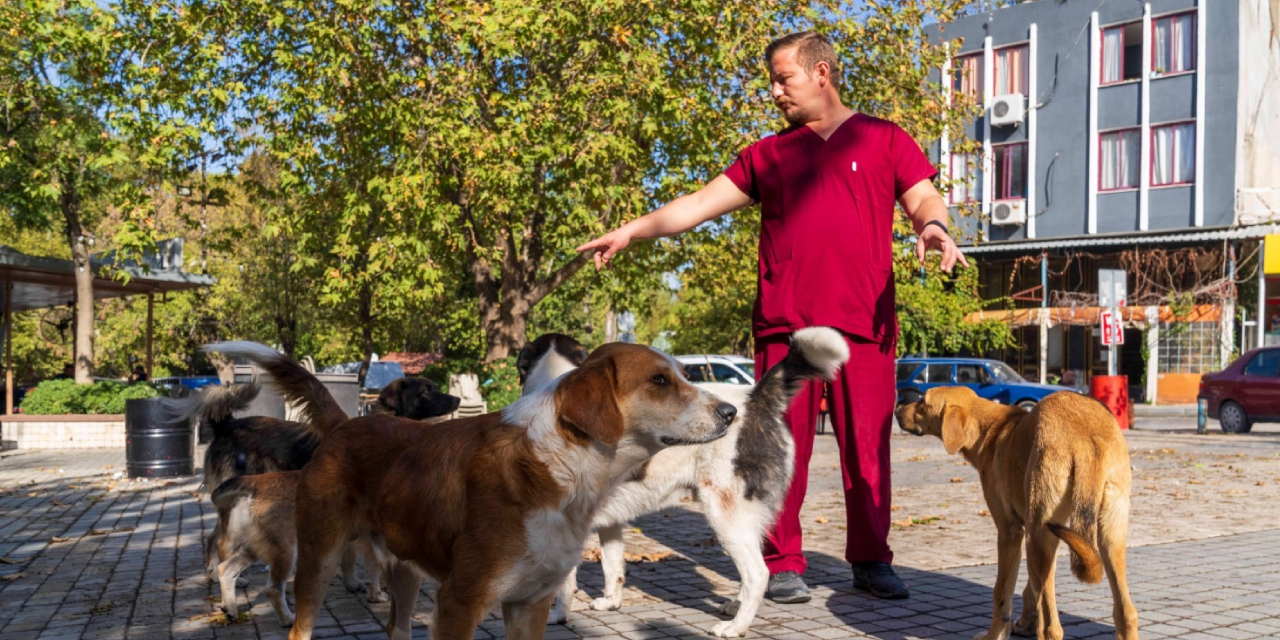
x=990, y=379
x=711, y=368
x=1245, y=392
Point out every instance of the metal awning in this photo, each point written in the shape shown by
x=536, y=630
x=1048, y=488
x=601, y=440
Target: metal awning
x=1123, y=239
x=40, y=282
x=1137, y=317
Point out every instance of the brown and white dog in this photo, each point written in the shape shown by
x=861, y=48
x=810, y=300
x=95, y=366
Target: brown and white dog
x=1058, y=472
x=496, y=508
x=256, y=524
x=740, y=479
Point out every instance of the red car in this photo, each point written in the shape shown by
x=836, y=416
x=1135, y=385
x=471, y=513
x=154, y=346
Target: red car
x=1247, y=391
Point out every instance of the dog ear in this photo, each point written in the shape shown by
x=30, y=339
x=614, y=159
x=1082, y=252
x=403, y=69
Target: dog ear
x=578, y=355
x=587, y=401
x=524, y=361
x=958, y=429
x=390, y=397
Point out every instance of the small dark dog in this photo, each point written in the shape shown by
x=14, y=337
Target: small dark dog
x=416, y=399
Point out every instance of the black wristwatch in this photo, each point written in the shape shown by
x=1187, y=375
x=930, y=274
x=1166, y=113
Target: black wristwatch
x=937, y=223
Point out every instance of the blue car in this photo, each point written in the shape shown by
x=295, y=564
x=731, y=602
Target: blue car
x=990, y=379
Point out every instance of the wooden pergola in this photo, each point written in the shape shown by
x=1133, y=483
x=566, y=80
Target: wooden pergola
x=32, y=282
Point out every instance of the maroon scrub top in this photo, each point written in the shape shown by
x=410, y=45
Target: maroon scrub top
x=826, y=224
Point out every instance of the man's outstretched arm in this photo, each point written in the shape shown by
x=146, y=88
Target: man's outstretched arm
x=718, y=197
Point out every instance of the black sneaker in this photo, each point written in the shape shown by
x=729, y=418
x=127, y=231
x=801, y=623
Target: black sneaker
x=879, y=579
x=788, y=588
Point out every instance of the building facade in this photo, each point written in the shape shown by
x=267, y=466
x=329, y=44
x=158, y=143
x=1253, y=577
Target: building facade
x=1135, y=136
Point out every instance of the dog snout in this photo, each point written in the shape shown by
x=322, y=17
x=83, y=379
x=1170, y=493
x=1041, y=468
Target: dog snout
x=726, y=412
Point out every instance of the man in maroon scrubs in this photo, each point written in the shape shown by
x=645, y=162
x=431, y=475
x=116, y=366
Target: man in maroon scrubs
x=826, y=187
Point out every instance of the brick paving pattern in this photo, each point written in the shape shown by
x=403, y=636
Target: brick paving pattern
x=85, y=553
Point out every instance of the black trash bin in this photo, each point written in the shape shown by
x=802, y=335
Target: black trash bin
x=154, y=449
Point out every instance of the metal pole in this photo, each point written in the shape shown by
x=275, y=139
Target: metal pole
x=8, y=347
x=1262, y=293
x=1044, y=318
x=151, y=305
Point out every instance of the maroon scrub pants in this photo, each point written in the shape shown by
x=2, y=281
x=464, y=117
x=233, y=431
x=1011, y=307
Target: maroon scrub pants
x=861, y=410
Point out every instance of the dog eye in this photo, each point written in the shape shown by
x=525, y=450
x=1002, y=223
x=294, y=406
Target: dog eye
x=659, y=380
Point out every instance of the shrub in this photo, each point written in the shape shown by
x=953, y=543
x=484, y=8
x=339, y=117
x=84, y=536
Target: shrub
x=61, y=397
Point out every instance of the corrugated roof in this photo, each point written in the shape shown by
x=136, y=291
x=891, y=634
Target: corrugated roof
x=1125, y=239
x=39, y=282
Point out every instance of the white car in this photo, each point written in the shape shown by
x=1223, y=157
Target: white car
x=710, y=368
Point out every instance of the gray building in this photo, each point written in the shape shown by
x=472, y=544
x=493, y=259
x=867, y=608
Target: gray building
x=1129, y=135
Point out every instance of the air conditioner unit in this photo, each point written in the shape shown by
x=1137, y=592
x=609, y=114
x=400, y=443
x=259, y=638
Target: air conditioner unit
x=1009, y=212
x=1008, y=109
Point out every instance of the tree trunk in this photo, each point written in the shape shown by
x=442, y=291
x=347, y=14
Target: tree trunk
x=505, y=316
x=70, y=204
x=366, y=330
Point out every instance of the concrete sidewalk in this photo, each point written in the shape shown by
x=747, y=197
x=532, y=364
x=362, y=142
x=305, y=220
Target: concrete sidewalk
x=86, y=555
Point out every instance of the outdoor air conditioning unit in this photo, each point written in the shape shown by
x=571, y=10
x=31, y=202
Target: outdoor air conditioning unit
x=1007, y=110
x=1009, y=212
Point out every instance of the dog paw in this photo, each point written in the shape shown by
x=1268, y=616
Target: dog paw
x=378, y=596
x=731, y=607
x=991, y=635
x=353, y=586
x=559, y=614
x=605, y=604
x=1024, y=629
x=286, y=622
x=728, y=630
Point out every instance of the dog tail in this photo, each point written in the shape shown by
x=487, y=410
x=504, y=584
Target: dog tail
x=229, y=493
x=215, y=405
x=320, y=412
x=816, y=352
x=1082, y=536
x=1086, y=565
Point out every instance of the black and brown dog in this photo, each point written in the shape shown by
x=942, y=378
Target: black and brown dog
x=259, y=444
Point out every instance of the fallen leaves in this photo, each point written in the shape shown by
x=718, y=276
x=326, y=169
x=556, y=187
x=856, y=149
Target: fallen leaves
x=821, y=520
x=916, y=522
x=13, y=576
x=4, y=560
x=593, y=555
x=218, y=618
x=57, y=539
x=957, y=479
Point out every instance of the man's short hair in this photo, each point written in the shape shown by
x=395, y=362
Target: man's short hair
x=811, y=48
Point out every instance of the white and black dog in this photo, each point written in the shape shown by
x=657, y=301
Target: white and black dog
x=741, y=479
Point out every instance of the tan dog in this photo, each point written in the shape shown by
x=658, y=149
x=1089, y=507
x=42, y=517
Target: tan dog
x=1059, y=471
x=255, y=524
x=496, y=507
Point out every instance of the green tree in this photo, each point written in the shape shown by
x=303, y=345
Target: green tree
x=84, y=126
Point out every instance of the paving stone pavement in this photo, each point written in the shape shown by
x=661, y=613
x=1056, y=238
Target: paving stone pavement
x=86, y=553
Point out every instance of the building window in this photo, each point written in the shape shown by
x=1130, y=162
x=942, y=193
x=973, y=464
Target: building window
x=966, y=74
x=1173, y=154
x=966, y=176
x=1121, y=153
x=1011, y=70
x=1173, y=39
x=1122, y=53
x=1194, y=347
x=1011, y=171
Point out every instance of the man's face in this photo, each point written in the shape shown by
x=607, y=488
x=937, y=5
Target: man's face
x=796, y=92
